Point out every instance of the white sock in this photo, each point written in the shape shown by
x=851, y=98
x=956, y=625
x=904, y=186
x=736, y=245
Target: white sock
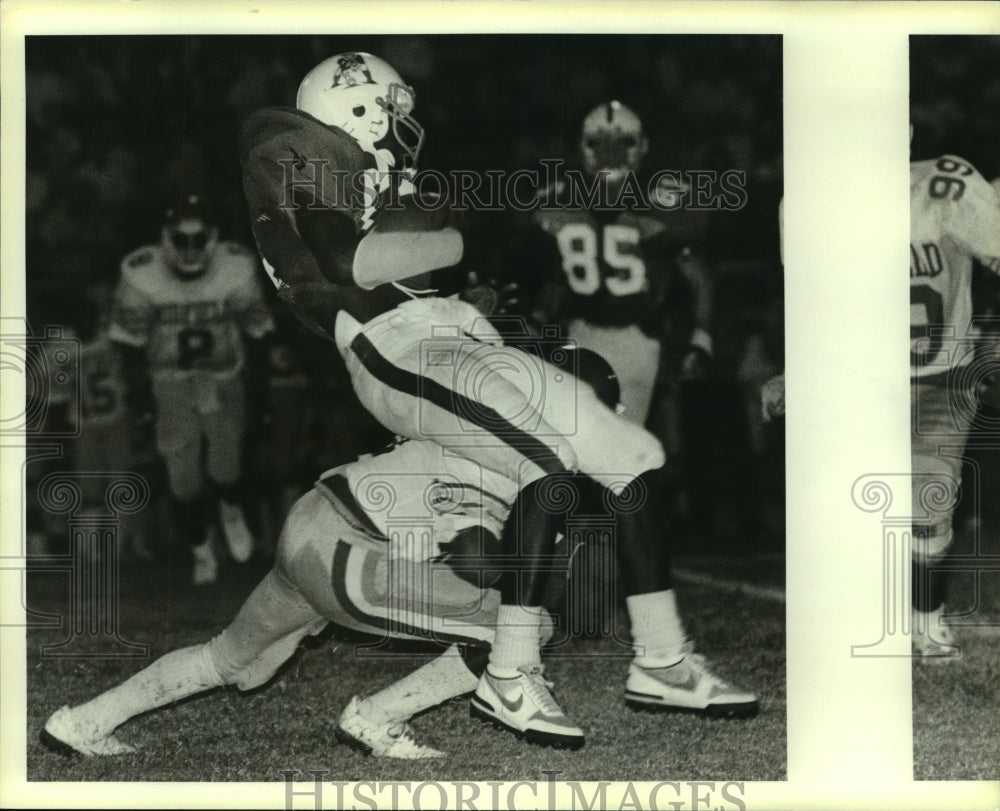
x=516, y=642
x=440, y=679
x=658, y=635
x=173, y=676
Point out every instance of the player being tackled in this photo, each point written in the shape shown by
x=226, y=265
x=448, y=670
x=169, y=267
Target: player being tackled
x=340, y=551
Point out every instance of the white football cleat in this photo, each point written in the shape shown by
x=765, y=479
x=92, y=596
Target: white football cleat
x=687, y=686
x=234, y=527
x=523, y=705
x=393, y=739
x=932, y=638
x=65, y=734
x=206, y=567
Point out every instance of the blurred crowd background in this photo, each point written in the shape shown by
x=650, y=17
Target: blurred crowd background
x=955, y=99
x=118, y=127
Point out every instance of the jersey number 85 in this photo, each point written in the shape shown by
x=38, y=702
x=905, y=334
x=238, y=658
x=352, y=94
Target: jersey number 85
x=611, y=257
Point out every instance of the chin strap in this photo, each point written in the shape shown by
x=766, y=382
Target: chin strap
x=413, y=292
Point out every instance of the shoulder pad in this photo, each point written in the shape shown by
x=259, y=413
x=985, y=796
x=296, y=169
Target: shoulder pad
x=649, y=227
x=144, y=257
x=954, y=182
x=234, y=249
x=946, y=167
x=234, y=264
x=283, y=133
x=553, y=219
x=550, y=192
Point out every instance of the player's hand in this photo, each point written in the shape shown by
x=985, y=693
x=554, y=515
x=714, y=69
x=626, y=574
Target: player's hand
x=695, y=364
x=772, y=397
x=509, y=298
x=698, y=358
x=490, y=297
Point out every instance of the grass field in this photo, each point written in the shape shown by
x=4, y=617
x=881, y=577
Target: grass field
x=289, y=723
x=956, y=705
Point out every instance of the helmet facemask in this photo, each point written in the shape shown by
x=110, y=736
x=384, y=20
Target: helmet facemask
x=407, y=136
x=612, y=143
x=189, y=244
x=364, y=96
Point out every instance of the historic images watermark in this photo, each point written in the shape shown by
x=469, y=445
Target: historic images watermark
x=550, y=794
x=917, y=509
x=47, y=366
x=549, y=188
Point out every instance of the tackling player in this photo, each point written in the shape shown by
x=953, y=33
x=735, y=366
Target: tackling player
x=954, y=221
x=188, y=312
x=330, y=186
x=403, y=544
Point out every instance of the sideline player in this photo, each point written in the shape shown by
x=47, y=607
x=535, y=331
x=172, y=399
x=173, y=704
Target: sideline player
x=611, y=268
x=403, y=544
x=348, y=244
x=187, y=314
x=623, y=281
x=107, y=437
x=954, y=221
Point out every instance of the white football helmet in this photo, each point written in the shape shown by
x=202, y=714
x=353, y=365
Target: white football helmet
x=189, y=238
x=612, y=141
x=365, y=97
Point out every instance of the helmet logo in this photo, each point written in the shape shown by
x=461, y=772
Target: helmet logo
x=351, y=71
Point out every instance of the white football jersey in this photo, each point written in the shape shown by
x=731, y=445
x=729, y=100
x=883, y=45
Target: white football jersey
x=419, y=495
x=954, y=219
x=190, y=325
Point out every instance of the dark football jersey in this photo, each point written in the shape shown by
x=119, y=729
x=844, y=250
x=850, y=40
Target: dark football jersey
x=616, y=267
x=312, y=193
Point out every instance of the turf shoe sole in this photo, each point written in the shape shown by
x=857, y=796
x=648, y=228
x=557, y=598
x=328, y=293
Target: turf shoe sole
x=65, y=735
x=687, y=686
x=394, y=739
x=523, y=705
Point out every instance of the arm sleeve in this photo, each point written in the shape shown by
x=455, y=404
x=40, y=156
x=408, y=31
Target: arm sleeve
x=283, y=228
x=695, y=269
x=292, y=222
x=975, y=222
x=310, y=204
x=249, y=305
x=131, y=314
x=297, y=177
x=536, y=253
